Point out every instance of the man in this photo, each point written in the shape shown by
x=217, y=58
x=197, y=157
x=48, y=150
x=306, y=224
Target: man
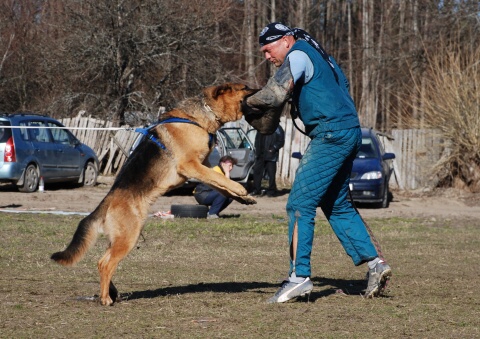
x=205, y=195
x=266, y=157
x=319, y=90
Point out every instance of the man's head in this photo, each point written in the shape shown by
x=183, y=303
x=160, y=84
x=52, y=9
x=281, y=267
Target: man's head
x=276, y=40
x=226, y=163
x=227, y=159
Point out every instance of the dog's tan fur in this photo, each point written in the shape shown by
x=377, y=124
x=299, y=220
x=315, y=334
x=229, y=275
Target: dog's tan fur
x=150, y=172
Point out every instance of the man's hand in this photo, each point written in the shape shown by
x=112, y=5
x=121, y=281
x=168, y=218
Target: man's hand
x=227, y=168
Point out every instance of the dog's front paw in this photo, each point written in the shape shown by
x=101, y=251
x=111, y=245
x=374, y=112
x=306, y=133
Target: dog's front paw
x=248, y=200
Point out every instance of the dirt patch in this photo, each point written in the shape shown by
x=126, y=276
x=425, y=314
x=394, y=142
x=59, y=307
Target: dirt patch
x=448, y=203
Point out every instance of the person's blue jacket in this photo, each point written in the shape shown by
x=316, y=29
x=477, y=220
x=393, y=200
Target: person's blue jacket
x=323, y=103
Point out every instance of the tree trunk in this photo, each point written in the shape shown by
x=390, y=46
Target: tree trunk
x=249, y=27
x=350, y=49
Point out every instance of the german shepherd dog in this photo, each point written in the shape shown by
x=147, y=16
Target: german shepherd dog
x=173, y=152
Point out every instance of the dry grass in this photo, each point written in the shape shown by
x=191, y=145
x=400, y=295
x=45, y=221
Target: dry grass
x=199, y=279
x=449, y=102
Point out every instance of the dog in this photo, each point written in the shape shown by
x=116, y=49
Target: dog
x=173, y=151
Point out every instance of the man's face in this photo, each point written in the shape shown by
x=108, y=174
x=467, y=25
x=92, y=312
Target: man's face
x=276, y=51
x=227, y=166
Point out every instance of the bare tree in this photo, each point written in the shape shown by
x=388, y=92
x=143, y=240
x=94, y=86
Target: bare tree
x=249, y=28
x=111, y=57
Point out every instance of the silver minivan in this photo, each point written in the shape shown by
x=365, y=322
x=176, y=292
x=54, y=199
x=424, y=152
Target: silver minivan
x=44, y=148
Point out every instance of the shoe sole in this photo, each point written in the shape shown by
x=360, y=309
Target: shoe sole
x=384, y=278
x=304, y=293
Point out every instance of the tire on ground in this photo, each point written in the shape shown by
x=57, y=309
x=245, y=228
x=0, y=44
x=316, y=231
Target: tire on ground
x=189, y=211
x=30, y=180
x=90, y=174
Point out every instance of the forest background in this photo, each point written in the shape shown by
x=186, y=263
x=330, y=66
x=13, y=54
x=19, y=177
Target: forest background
x=411, y=63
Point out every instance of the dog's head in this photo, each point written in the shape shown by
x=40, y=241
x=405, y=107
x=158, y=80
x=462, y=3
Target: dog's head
x=226, y=100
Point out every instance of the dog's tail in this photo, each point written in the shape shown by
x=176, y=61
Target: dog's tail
x=84, y=238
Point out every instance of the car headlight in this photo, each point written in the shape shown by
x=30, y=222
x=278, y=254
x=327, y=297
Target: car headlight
x=372, y=175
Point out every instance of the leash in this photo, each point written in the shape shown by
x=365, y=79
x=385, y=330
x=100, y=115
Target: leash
x=369, y=230
x=294, y=115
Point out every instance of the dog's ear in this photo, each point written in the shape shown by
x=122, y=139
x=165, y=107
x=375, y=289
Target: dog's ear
x=219, y=90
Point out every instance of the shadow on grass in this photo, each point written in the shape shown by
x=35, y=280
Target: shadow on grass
x=222, y=287
x=11, y=206
x=323, y=287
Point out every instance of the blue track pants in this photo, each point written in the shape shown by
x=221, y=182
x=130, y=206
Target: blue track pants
x=322, y=180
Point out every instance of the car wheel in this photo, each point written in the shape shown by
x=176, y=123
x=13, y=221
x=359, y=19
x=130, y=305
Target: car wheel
x=90, y=174
x=30, y=180
x=384, y=203
x=189, y=211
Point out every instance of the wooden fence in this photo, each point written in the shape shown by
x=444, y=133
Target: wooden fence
x=416, y=151
x=111, y=147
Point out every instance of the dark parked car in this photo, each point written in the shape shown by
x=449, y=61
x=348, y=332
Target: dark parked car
x=44, y=148
x=230, y=141
x=371, y=171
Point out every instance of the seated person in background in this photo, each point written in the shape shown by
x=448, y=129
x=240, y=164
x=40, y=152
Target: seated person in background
x=205, y=195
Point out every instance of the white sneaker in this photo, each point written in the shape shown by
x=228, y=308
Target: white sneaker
x=291, y=290
x=377, y=279
x=212, y=216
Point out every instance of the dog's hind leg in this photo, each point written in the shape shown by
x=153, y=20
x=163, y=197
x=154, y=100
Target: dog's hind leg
x=119, y=247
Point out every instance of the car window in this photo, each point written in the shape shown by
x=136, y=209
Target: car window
x=367, y=149
x=229, y=143
x=35, y=134
x=59, y=135
x=236, y=139
x=251, y=134
x=24, y=132
x=5, y=133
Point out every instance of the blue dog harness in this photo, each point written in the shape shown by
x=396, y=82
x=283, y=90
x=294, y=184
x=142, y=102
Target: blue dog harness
x=150, y=136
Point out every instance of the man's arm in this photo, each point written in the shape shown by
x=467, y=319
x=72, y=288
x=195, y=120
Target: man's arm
x=277, y=90
x=263, y=109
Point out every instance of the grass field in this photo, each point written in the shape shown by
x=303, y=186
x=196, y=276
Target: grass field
x=198, y=279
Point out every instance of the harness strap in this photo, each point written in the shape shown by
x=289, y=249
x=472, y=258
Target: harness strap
x=146, y=132
x=149, y=135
